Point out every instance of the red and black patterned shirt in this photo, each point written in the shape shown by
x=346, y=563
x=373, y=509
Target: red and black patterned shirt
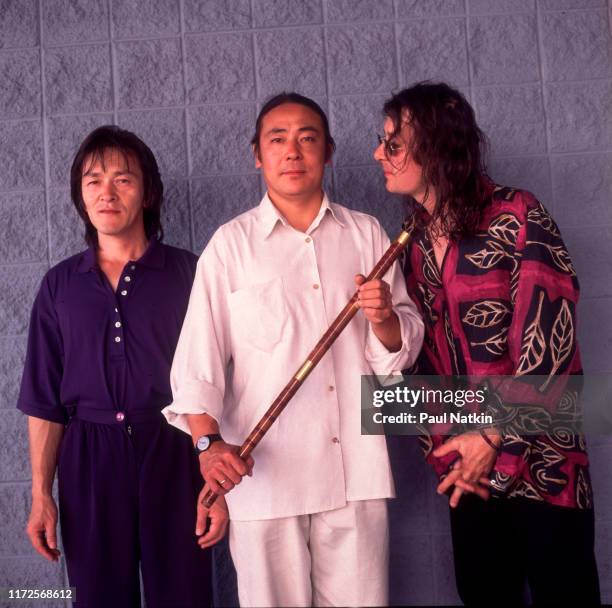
x=504, y=303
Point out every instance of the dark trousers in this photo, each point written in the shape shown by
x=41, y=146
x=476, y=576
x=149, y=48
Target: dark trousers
x=127, y=500
x=501, y=545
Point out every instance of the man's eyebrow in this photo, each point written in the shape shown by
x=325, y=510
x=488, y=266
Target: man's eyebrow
x=275, y=130
x=308, y=128
x=98, y=173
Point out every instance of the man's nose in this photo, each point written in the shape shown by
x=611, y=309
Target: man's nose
x=108, y=191
x=379, y=152
x=293, y=150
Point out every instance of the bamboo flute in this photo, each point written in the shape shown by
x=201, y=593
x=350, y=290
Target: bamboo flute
x=316, y=354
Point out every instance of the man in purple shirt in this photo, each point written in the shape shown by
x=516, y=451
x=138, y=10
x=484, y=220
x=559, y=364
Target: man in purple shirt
x=103, y=331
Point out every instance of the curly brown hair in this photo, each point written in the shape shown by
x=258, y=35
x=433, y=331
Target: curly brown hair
x=450, y=147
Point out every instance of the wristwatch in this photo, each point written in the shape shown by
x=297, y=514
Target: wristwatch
x=205, y=441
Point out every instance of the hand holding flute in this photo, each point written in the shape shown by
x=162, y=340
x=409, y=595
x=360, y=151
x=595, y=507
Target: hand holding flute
x=221, y=466
x=373, y=296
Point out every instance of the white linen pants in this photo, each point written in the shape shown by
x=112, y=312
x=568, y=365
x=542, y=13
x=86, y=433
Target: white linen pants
x=332, y=558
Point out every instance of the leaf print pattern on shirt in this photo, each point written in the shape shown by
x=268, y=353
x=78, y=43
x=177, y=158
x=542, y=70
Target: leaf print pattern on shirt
x=497, y=344
x=540, y=216
x=505, y=228
x=559, y=256
x=486, y=313
x=534, y=344
x=561, y=340
x=430, y=267
x=488, y=257
x=428, y=299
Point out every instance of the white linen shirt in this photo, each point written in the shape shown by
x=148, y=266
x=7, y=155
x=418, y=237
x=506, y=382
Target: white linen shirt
x=263, y=295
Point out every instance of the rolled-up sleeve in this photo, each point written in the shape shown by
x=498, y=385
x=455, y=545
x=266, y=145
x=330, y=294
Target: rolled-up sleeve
x=383, y=361
x=42, y=375
x=202, y=354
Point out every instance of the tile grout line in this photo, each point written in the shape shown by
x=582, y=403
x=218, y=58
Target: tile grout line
x=540, y=56
x=190, y=213
x=113, y=64
x=328, y=94
x=398, y=54
x=467, y=53
x=45, y=134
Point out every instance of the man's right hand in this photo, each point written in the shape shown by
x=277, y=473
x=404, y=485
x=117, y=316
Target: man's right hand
x=42, y=526
x=222, y=468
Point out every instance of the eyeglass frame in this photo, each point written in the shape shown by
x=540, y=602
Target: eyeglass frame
x=387, y=144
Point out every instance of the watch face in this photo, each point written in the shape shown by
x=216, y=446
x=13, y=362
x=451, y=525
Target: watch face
x=203, y=443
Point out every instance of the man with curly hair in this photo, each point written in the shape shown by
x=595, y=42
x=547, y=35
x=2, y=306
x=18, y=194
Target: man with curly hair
x=498, y=292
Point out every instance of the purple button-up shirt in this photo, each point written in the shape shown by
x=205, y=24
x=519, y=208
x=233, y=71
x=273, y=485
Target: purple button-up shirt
x=103, y=353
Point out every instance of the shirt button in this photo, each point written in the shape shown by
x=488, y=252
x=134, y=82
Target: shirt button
x=118, y=324
x=117, y=339
x=127, y=279
x=335, y=440
x=116, y=310
x=330, y=388
x=315, y=286
x=132, y=267
x=120, y=417
x=308, y=239
x=124, y=292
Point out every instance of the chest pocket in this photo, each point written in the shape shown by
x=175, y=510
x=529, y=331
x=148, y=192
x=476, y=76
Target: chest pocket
x=259, y=314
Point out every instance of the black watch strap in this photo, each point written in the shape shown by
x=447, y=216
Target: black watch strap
x=205, y=441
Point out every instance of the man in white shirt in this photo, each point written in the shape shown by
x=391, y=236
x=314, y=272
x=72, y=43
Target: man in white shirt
x=310, y=527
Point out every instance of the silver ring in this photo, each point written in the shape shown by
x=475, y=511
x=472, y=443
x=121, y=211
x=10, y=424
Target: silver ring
x=222, y=482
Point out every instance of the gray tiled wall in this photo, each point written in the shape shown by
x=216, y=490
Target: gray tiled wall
x=189, y=75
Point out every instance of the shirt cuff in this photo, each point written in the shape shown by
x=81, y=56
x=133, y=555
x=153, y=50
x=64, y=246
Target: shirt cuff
x=384, y=362
x=194, y=399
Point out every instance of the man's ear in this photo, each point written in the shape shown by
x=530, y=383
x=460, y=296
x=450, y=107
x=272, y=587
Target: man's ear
x=257, y=156
x=329, y=153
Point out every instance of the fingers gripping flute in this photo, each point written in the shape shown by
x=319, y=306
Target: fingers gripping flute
x=322, y=346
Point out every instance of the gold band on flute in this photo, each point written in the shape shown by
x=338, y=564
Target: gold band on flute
x=301, y=374
x=322, y=346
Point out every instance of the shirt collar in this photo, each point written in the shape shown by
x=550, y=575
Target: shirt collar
x=87, y=260
x=270, y=216
x=153, y=257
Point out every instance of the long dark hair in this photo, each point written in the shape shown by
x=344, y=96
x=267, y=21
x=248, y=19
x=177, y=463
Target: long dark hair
x=92, y=149
x=450, y=147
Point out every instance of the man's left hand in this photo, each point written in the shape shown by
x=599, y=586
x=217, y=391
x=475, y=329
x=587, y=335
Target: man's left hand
x=374, y=299
x=219, y=518
x=477, y=460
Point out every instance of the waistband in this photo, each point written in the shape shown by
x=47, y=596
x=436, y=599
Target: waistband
x=115, y=416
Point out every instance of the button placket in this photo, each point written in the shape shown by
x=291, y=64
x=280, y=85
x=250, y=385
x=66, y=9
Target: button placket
x=117, y=333
x=315, y=285
x=126, y=279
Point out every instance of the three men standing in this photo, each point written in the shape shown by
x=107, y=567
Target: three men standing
x=311, y=526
